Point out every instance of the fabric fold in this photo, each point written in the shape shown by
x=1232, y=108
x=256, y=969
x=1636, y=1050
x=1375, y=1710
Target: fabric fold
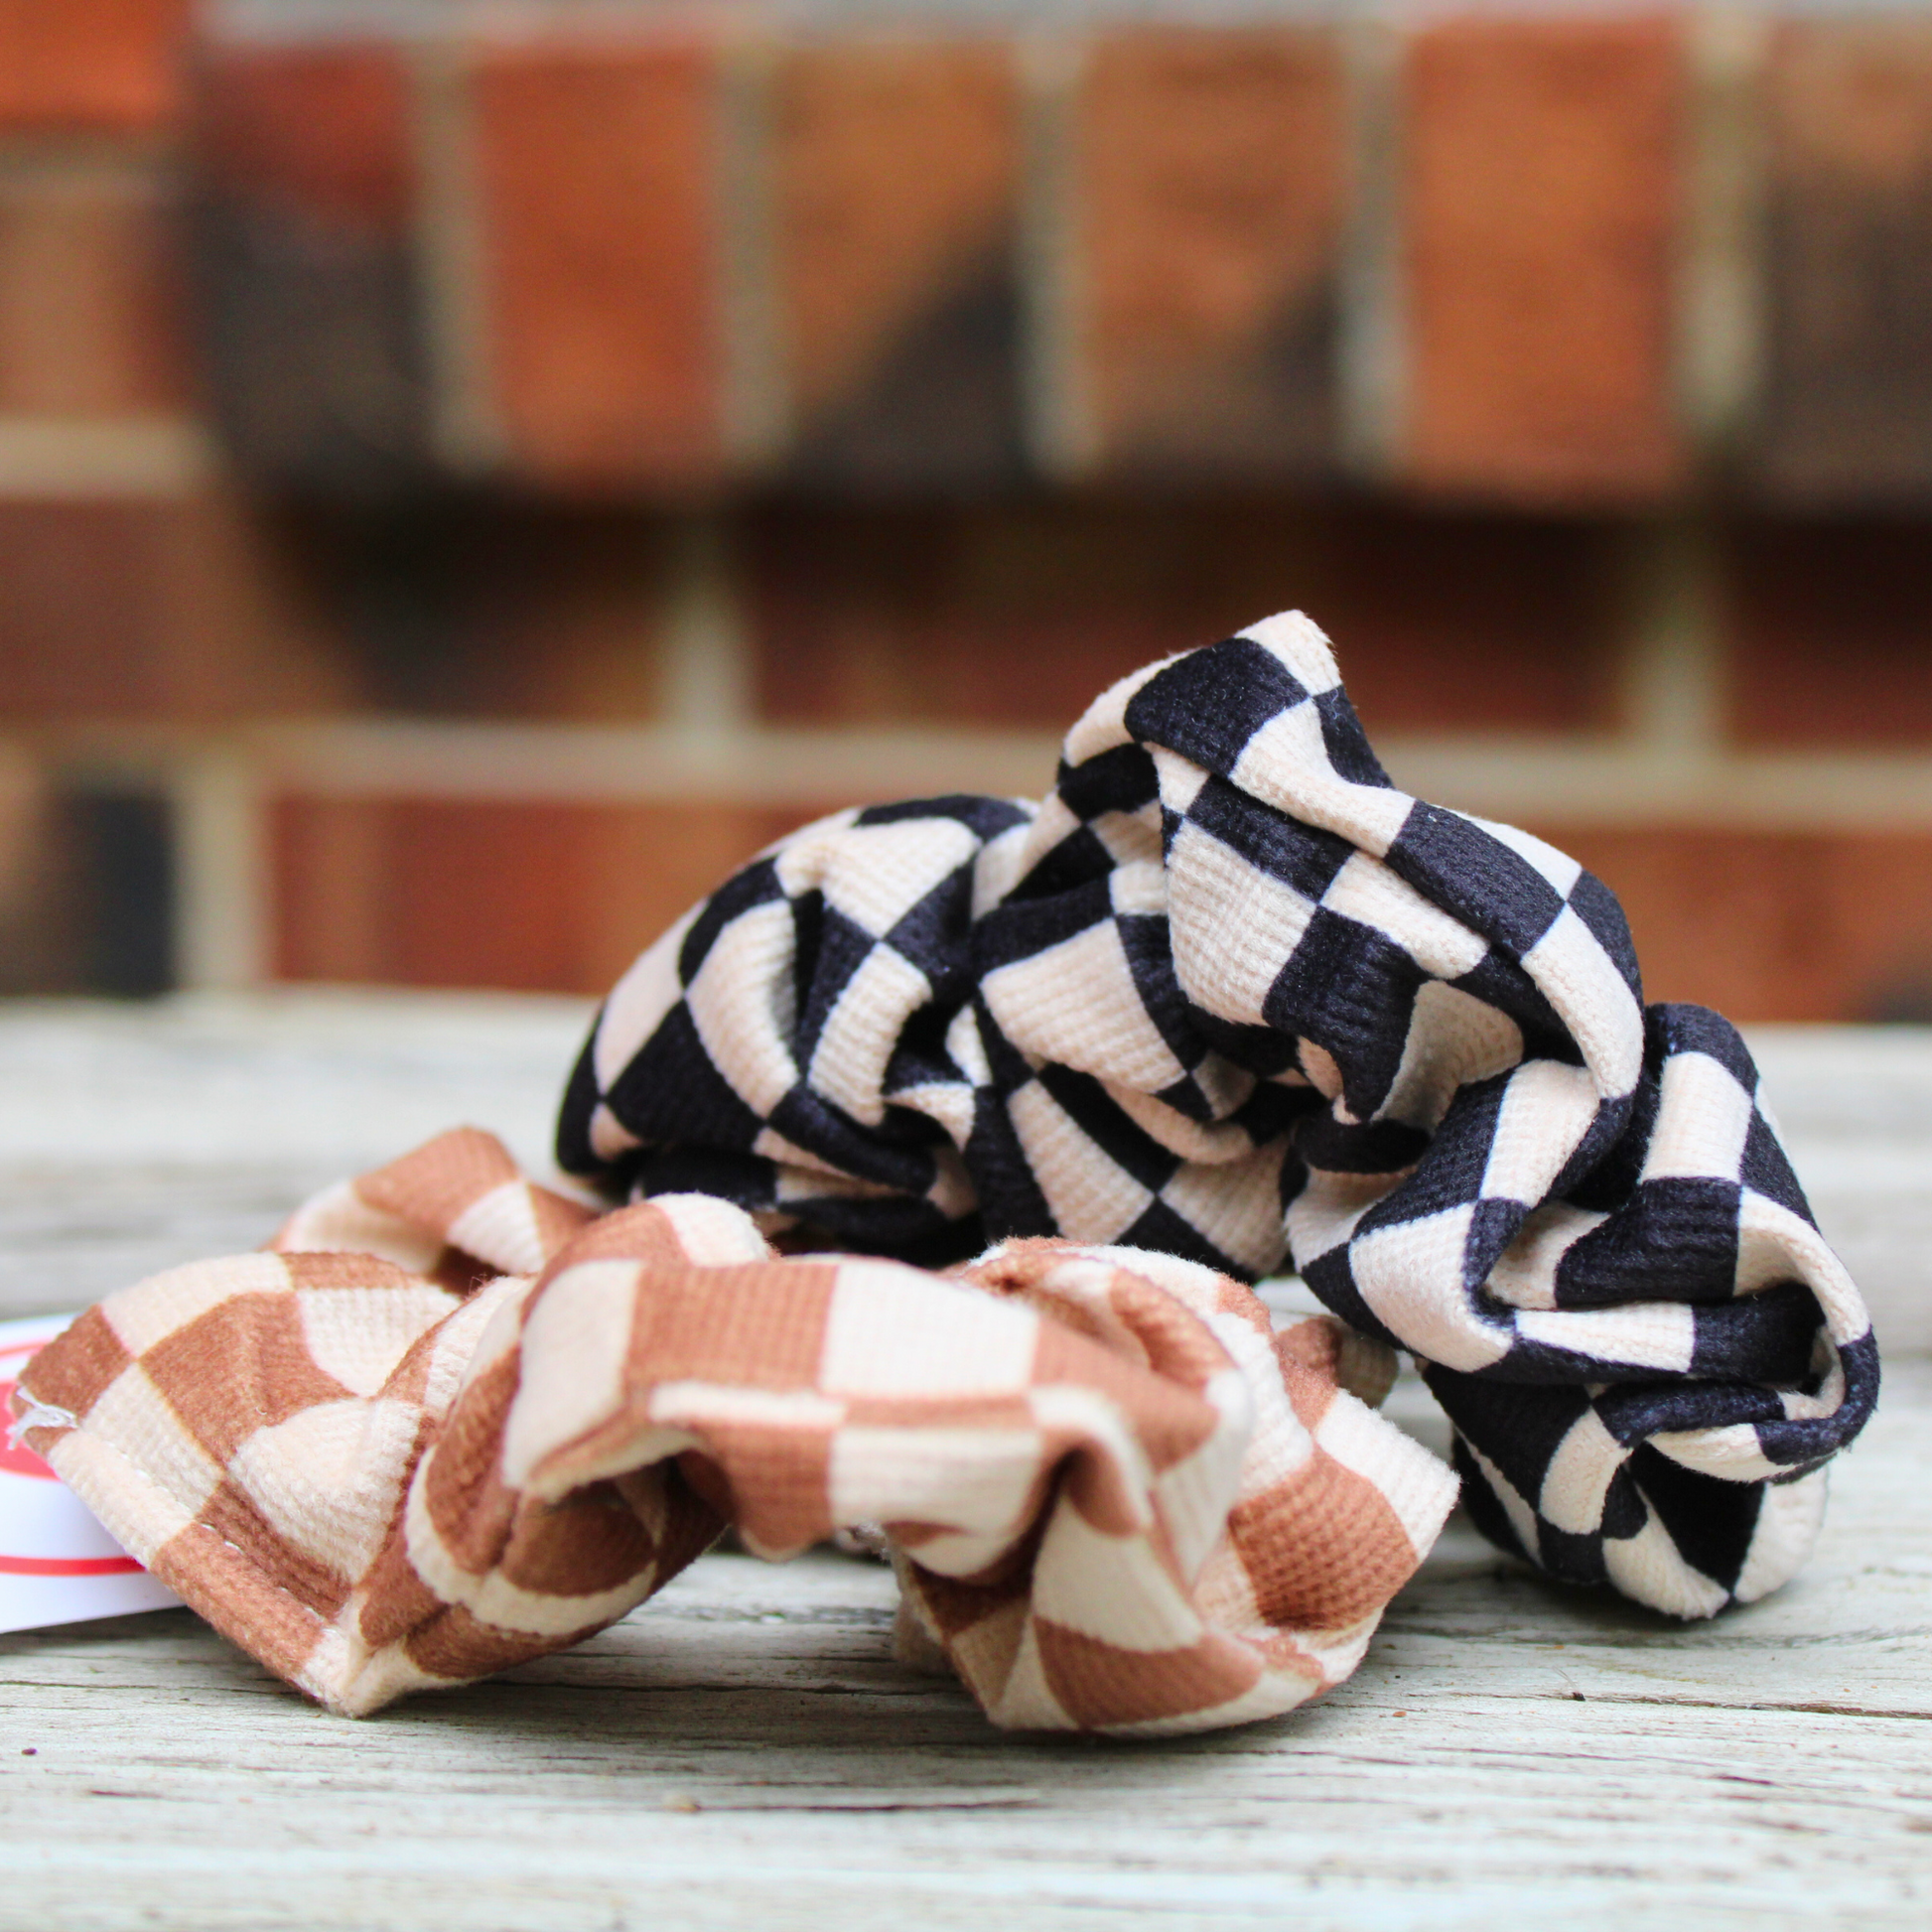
x=1225, y=1000
x=1228, y=994
x=452, y=1421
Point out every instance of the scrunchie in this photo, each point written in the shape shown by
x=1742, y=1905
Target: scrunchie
x=1229, y=995
x=451, y=1422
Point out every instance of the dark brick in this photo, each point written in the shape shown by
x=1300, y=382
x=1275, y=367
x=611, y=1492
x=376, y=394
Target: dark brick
x=1212, y=170
x=1462, y=623
x=315, y=335
x=1019, y=614
x=1829, y=624
x=479, y=608
x=1848, y=408
x=87, y=887
x=895, y=183
x=119, y=848
x=155, y=610
x=559, y=614
x=1012, y=615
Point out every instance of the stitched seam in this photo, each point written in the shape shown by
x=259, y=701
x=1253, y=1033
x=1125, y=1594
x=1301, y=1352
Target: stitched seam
x=124, y=1462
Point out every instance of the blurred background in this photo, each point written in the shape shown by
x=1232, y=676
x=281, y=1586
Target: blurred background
x=471, y=475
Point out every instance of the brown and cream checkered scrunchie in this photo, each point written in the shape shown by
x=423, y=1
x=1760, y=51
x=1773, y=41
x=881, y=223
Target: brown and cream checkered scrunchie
x=452, y=1421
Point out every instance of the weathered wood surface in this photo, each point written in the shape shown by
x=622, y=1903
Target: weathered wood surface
x=745, y=1752
x=132, y=1138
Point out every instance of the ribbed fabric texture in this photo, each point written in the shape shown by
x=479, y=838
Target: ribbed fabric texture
x=1228, y=994
x=452, y=1421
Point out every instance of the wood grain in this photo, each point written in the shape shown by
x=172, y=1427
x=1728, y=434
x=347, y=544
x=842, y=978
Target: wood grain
x=744, y=1751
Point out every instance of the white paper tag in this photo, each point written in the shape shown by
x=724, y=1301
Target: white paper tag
x=57, y=1564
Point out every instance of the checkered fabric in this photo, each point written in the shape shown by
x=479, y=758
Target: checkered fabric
x=1115, y=1498
x=1227, y=993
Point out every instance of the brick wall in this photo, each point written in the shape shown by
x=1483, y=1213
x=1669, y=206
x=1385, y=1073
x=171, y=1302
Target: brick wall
x=466, y=485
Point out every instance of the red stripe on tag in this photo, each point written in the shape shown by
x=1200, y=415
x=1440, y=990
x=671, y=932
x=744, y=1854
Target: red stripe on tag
x=67, y=1566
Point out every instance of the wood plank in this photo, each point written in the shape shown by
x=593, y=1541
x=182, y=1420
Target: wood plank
x=744, y=1749
x=133, y=1138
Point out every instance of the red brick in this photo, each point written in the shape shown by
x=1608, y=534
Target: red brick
x=1774, y=926
x=96, y=65
x=245, y=637
x=323, y=131
x=315, y=331
x=90, y=321
x=1830, y=639
x=1211, y=184
x=82, y=626
x=1765, y=926
x=36, y=933
x=895, y=183
x=1019, y=614
x=1847, y=415
x=161, y=611
x=391, y=889
x=1462, y=623
x=325, y=871
x=519, y=920
x=597, y=169
x=1541, y=189
x=536, y=611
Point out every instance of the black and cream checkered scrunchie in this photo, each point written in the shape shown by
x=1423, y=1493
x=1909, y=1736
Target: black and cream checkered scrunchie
x=1228, y=994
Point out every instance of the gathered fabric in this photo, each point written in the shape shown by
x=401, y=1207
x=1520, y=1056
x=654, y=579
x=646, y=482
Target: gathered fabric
x=1225, y=1002
x=452, y=1421
x=1228, y=995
